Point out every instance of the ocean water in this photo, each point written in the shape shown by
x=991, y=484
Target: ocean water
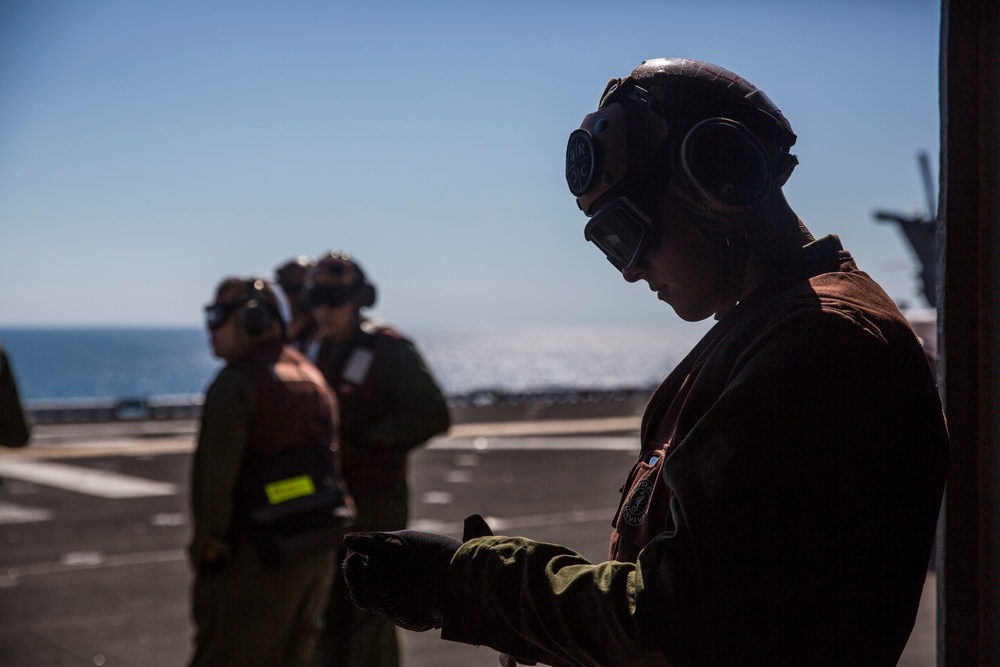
x=108, y=363
x=87, y=363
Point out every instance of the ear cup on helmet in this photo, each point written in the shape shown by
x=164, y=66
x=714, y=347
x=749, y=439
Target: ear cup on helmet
x=259, y=310
x=256, y=317
x=336, y=279
x=366, y=294
x=726, y=164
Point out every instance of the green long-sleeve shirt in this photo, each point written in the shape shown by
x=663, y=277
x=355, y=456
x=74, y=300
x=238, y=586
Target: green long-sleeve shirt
x=544, y=602
x=389, y=404
x=217, y=460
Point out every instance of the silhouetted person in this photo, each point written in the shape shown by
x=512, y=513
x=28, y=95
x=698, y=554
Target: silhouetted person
x=15, y=431
x=784, y=502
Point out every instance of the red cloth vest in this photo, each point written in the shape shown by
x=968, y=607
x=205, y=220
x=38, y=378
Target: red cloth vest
x=359, y=382
x=292, y=407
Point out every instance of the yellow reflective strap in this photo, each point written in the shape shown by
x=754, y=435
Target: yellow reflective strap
x=284, y=490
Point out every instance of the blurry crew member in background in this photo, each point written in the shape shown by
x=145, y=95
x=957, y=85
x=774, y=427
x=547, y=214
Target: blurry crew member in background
x=292, y=277
x=784, y=501
x=267, y=507
x=14, y=428
x=389, y=404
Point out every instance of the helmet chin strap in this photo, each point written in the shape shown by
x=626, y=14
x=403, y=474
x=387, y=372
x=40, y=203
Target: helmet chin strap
x=733, y=245
x=733, y=279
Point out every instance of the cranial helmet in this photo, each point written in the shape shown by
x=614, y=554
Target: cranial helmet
x=292, y=277
x=336, y=279
x=715, y=139
x=292, y=274
x=259, y=301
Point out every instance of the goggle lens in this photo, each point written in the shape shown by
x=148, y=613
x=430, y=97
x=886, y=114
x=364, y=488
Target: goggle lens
x=329, y=295
x=217, y=314
x=622, y=232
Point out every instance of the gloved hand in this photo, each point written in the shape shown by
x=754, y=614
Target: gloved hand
x=401, y=574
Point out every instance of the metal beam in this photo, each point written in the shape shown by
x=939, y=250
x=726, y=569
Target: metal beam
x=969, y=333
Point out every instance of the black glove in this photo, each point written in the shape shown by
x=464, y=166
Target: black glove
x=475, y=526
x=401, y=574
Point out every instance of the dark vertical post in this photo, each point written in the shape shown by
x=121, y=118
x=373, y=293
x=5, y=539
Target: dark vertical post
x=969, y=328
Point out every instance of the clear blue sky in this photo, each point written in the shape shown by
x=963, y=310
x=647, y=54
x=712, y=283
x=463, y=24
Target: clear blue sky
x=147, y=149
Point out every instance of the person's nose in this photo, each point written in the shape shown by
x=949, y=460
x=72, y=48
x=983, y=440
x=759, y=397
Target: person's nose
x=634, y=274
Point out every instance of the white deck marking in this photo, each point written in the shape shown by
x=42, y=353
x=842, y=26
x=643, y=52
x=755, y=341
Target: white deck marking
x=11, y=513
x=589, y=443
x=77, y=561
x=519, y=522
x=566, y=434
x=546, y=427
x=93, y=560
x=90, y=481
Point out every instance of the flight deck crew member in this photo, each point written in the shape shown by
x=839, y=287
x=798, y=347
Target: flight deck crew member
x=783, y=504
x=291, y=276
x=389, y=403
x=15, y=431
x=265, y=501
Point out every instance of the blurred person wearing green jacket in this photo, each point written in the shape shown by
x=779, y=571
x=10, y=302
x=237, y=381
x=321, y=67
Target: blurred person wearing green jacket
x=389, y=403
x=267, y=508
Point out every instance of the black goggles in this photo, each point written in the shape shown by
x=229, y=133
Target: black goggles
x=623, y=232
x=329, y=295
x=216, y=314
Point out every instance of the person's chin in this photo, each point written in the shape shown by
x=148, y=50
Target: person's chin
x=690, y=313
